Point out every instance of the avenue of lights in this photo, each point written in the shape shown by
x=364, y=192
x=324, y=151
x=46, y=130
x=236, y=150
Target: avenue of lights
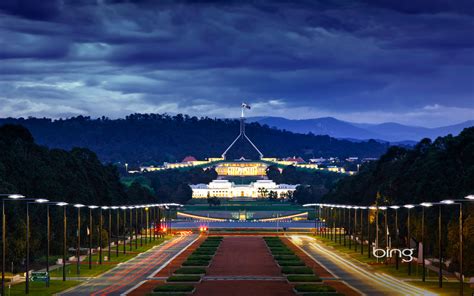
x=41, y=201
x=327, y=215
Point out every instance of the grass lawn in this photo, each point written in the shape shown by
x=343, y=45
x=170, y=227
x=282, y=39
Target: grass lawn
x=114, y=260
x=39, y=289
x=450, y=287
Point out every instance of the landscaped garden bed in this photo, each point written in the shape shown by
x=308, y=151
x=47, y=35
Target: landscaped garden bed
x=184, y=279
x=190, y=270
x=173, y=288
x=303, y=278
x=315, y=289
x=297, y=270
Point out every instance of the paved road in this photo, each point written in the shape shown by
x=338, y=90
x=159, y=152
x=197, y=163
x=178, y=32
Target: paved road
x=354, y=273
x=128, y=274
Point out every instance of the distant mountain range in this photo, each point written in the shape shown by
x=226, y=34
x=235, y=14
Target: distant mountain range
x=390, y=131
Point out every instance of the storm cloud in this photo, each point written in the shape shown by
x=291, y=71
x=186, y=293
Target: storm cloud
x=365, y=61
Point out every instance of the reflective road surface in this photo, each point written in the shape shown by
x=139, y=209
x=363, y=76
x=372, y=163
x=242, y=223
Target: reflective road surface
x=129, y=274
x=354, y=273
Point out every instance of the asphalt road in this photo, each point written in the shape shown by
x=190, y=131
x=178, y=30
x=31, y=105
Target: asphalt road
x=354, y=273
x=127, y=275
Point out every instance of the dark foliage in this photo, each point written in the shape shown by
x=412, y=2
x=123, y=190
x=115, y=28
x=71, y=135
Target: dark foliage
x=154, y=138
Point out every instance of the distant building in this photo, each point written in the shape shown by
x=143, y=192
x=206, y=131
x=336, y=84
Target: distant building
x=189, y=159
x=227, y=189
x=242, y=168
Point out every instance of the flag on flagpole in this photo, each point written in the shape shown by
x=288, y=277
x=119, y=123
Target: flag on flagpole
x=244, y=105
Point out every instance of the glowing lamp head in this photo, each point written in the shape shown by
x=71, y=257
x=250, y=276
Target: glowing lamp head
x=16, y=196
x=426, y=204
x=447, y=201
x=409, y=206
x=105, y=208
x=383, y=208
x=470, y=197
x=395, y=207
x=79, y=206
x=41, y=200
x=93, y=207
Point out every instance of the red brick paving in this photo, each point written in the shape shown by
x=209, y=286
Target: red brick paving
x=243, y=256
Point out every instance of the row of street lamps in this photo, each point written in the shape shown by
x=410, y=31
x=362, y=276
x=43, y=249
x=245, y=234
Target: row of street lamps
x=331, y=221
x=150, y=209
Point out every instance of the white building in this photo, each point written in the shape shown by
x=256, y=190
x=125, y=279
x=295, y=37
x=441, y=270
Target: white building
x=227, y=189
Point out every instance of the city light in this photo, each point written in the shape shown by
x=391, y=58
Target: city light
x=79, y=205
x=447, y=201
x=41, y=200
x=16, y=196
x=62, y=204
x=471, y=197
x=409, y=206
x=426, y=204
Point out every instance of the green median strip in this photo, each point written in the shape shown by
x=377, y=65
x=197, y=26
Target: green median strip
x=314, y=288
x=174, y=288
x=184, y=278
x=296, y=270
x=303, y=278
x=190, y=270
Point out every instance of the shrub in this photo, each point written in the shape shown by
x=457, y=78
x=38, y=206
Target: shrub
x=195, y=263
x=291, y=263
x=277, y=253
x=286, y=257
x=190, y=270
x=314, y=288
x=303, y=278
x=174, y=288
x=296, y=270
x=199, y=257
x=184, y=278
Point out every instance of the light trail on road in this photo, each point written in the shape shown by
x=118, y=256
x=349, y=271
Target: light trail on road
x=350, y=272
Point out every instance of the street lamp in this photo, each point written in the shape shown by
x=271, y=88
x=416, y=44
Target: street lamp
x=408, y=233
x=397, y=232
x=117, y=222
x=124, y=208
x=423, y=206
x=459, y=202
x=90, y=234
x=48, y=234
x=131, y=226
x=11, y=196
x=78, y=250
x=64, y=204
x=109, y=226
x=362, y=230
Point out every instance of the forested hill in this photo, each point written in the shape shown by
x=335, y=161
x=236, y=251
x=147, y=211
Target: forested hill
x=148, y=138
x=432, y=171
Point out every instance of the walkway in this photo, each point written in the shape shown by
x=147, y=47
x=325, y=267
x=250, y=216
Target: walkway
x=128, y=274
x=243, y=266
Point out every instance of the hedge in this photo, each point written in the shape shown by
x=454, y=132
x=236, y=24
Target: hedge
x=286, y=257
x=303, y=278
x=291, y=263
x=199, y=257
x=190, y=270
x=195, y=263
x=174, y=288
x=184, y=278
x=296, y=270
x=314, y=288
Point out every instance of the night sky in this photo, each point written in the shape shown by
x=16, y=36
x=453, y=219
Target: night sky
x=406, y=61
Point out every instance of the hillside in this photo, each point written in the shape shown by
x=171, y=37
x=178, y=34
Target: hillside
x=389, y=131
x=154, y=138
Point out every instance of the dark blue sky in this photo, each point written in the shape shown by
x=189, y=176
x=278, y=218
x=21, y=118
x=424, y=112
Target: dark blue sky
x=406, y=61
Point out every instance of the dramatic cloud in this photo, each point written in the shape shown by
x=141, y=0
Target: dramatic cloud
x=365, y=61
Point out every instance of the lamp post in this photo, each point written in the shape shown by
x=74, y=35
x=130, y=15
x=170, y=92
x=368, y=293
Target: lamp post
x=362, y=230
x=469, y=198
x=383, y=208
x=117, y=234
x=424, y=205
x=78, y=247
x=141, y=226
x=355, y=227
x=131, y=226
x=350, y=228
x=100, y=235
x=11, y=196
x=124, y=227
x=63, y=205
x=369, y=242
x=408, y=233
x=397, y=233
x=109, y=231
x=136, y=227
x=90, y=234
x=48, y=234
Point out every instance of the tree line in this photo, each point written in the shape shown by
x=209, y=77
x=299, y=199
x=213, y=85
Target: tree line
x=156, y=138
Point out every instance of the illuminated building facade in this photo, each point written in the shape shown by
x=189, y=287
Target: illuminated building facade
x=244, y=168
